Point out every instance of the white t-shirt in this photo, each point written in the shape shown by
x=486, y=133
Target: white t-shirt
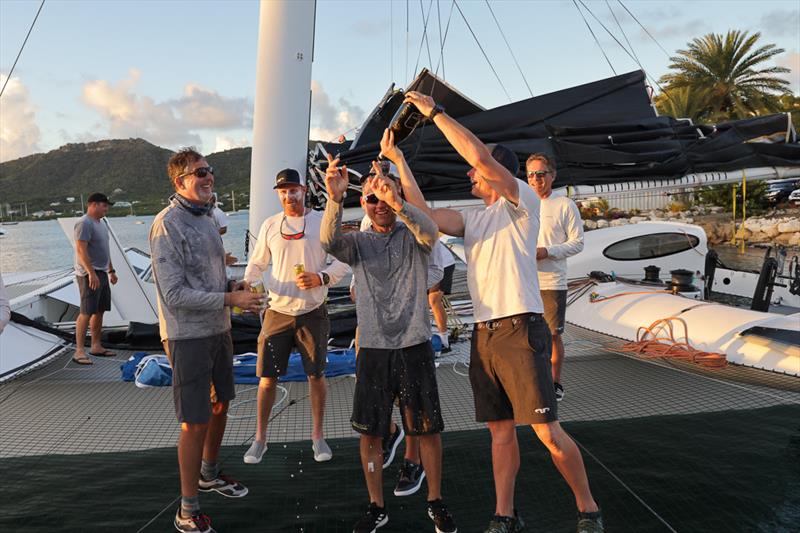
x=285, y=296
x=561, y=232
x=500, y=247
x=220, y=217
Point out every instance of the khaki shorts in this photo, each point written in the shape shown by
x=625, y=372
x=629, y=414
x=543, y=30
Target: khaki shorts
x=280, y=333
x=555, y=310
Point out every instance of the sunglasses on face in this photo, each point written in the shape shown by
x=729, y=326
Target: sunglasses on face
x=538, y=174
x=372, y=199
x=293, y=236
x=201, y=172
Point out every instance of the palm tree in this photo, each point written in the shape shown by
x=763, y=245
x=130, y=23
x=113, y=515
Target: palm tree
x=725, y=72
x=681, y=102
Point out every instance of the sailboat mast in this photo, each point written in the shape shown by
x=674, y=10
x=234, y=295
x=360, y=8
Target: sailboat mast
x=282, y=100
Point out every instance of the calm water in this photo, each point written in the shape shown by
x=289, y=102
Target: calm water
x=32, y=246
x=41, y=245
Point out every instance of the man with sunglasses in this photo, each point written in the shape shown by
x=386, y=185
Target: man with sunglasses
x=395, y=357
x=509, y=367
x=560, y=236
x=194, y=298
x=297, y=315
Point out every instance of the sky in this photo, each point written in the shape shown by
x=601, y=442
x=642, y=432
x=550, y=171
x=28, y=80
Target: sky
x=182, y=72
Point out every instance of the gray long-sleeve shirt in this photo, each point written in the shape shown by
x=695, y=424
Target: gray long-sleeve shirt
x=390, y=271
x=189, y=270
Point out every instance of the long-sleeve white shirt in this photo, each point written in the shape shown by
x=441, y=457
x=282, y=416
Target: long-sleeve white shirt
x=5, y=307
x=285, y=296
x=561, y=232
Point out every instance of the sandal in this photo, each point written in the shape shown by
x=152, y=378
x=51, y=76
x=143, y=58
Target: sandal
x=104, y=353
x=82, y=360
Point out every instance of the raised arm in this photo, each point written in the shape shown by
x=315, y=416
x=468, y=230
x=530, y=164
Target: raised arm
x=474, y=152
x=449, y=221
x=332, y=238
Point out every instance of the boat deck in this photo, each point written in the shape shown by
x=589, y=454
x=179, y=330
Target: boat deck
x=65, y=410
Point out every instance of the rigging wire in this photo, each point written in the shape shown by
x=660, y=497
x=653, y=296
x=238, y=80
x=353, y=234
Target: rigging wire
x=21, y=48
x=482, y=50
x=441, y=43
x=642, y=26
x=444, y=40
x=424, y=39
x=521, y=73
x=407, y=41
x=653, y=80
x=594, y=36
x=624, y=35
x=391, y=43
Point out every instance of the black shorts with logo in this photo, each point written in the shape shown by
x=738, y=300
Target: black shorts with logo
x=97, y=300
x=407, y=374
x=510, y=370
x=280, y=333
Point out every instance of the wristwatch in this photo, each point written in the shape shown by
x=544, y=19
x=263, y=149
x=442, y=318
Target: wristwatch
x=112, y=271
x=438, y=108
x=326, y=279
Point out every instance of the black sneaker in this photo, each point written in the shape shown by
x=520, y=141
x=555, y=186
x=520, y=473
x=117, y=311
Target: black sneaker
x=390, y=445
x=442, y=519
x=225, y=485
x=374, y=518
x=197, y=523
x=559, y=391
x=590, y=522
x=411, y=476
x=506, y=524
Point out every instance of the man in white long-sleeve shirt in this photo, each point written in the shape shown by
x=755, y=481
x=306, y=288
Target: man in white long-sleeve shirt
x=560, y=236
x=297, y=314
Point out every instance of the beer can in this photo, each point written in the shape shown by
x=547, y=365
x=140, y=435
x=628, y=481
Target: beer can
x=299, y=268
x=257, y=287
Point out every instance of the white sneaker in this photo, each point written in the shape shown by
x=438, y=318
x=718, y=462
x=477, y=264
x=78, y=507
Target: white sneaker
x=255, y=452
x=322, y=452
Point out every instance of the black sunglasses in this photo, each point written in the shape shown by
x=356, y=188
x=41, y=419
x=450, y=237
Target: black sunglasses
x=293, y=236
x=201, y=172
x=538, y=174
x=372, y=199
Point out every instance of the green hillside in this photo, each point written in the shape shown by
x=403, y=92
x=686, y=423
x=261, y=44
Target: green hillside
x=131, y=170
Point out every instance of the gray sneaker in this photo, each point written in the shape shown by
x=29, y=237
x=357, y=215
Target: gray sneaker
x=255, y=452
x=590, y=522
x=197, y=523
x=322, y=452
x=506, y=524
x=225, y=485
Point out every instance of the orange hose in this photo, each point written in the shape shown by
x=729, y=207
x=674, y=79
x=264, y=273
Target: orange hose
x=665, y=345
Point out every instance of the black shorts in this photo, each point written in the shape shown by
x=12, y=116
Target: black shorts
x=407, y=374
x=97, y=300
x=280, y=333
x=202, y=374
x=510, y=370
x=555, y=310
x=446, y=285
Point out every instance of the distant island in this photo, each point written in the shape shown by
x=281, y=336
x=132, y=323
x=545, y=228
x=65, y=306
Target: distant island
x=132, y=172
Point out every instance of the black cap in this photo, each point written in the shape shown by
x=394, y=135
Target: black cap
x=100, y=198
x=506, y=157
x=287, y=176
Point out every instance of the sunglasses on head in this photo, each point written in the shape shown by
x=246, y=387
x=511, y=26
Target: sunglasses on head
x=538, y=174
x=293, y=236
x=201, y=172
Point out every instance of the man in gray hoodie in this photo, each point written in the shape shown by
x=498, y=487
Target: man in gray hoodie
x=395, y=357
x=194, y=297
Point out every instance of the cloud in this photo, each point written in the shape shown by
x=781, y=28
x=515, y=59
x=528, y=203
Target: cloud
x=328, y=121
x=784, y=22
x=791, y=60
x=223, y=143
x=170, y=123
x=19, y=133
x=686, y=30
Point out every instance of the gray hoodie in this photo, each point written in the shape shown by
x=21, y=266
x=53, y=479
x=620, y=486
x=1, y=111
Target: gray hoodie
x=391, y=275
x=189, y=270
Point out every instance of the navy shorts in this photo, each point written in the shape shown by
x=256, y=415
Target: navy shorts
x=97, y=300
